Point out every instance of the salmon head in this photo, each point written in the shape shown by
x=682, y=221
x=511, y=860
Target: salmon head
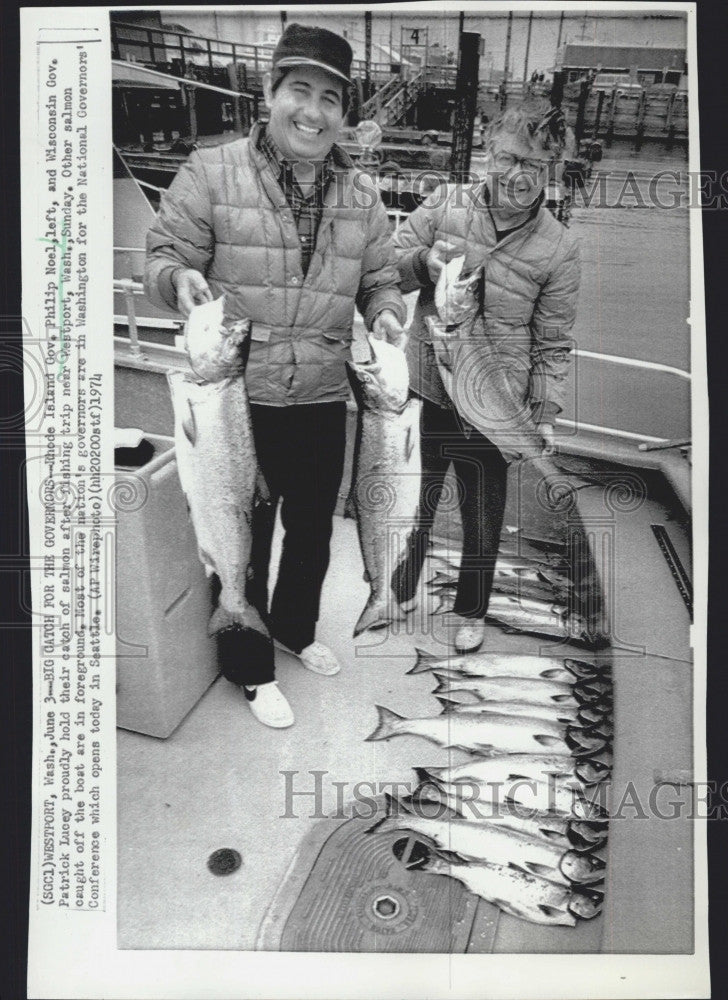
x=382, y=383
x=455, y=298
x=216, y=348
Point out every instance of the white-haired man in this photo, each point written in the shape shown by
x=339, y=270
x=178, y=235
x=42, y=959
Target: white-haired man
x=529, y=287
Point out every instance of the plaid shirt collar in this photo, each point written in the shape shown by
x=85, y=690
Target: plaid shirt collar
x=283, y=170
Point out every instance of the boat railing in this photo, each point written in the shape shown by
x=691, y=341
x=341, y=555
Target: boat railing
x=132, y=289
x=165, y=49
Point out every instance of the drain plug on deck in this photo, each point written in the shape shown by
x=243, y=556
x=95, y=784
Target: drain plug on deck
x=225, y=861
x=386, y=907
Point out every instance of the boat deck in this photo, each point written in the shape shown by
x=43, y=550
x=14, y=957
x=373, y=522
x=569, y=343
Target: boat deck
x=219, y=780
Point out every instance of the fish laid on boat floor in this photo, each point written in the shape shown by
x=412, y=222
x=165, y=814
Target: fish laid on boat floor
x=490, y=733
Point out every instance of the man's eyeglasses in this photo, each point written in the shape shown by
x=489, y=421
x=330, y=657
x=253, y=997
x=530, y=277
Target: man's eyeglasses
x=506, y=161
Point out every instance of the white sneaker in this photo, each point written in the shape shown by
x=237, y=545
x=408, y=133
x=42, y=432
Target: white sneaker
x=319, y=659
x=268, y=704
x=470, y=637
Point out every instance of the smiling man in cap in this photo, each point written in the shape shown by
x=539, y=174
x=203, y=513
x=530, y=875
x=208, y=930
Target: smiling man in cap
x=277, y=223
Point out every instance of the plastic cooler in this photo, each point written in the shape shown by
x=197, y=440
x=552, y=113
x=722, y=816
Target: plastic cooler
x=165, y=658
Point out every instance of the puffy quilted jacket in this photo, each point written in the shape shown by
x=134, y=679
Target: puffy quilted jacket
x=530, y=292
x=226, y=216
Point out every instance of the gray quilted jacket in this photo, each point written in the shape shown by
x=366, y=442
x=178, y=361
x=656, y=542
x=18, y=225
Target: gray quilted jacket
x=226, y=216
x=530, y=293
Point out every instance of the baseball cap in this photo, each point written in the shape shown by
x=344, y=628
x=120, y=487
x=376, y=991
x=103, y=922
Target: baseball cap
x=302, y=46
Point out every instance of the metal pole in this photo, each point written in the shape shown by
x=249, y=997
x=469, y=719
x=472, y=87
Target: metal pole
x=561, y=28
x=191, y=98
x=367, y=54
x=508, y=45
x=528, y=47
x=466, y=90
x=584, y=89
x=598, y=119
x=232, y=71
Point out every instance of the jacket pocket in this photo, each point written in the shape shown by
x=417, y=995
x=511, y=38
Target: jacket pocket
x=333, y=348
x=257, y=372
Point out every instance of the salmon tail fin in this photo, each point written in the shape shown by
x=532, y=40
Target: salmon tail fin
x=390, y=805
x=423, y=662
x=247, y=618
x=378, y=614
x=442, y=684
x=449, y=705
x=445, y=604
x=386, y=724
x=428, y=775
x=221, y=619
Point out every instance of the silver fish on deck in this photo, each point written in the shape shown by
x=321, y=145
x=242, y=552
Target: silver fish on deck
x=561, y=828
x=521, y=895
x=509, y=553
x=488, y=664
x=535, y=690
x=489, y=733
x=478, y=800
x=387, y=468
x=571, y=714
x=536, y=577
x=505, y=583
x=485, y=841
x=216, y=459
x=579, y=737
x=554, y=620
x=534, y=767
x=506, y=611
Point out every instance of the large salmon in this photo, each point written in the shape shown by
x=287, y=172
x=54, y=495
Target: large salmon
x=491, y=734
x=486, y=842
x=216, y=457
x=520, y=894
x=476, y=372
x=386, y=479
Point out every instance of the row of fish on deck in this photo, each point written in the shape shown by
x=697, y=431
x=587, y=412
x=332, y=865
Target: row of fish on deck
x=522, y=820
x=537, y=727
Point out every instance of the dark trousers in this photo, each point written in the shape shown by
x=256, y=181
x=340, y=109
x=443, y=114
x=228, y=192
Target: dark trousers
x=300, y=452
x=480, y=476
